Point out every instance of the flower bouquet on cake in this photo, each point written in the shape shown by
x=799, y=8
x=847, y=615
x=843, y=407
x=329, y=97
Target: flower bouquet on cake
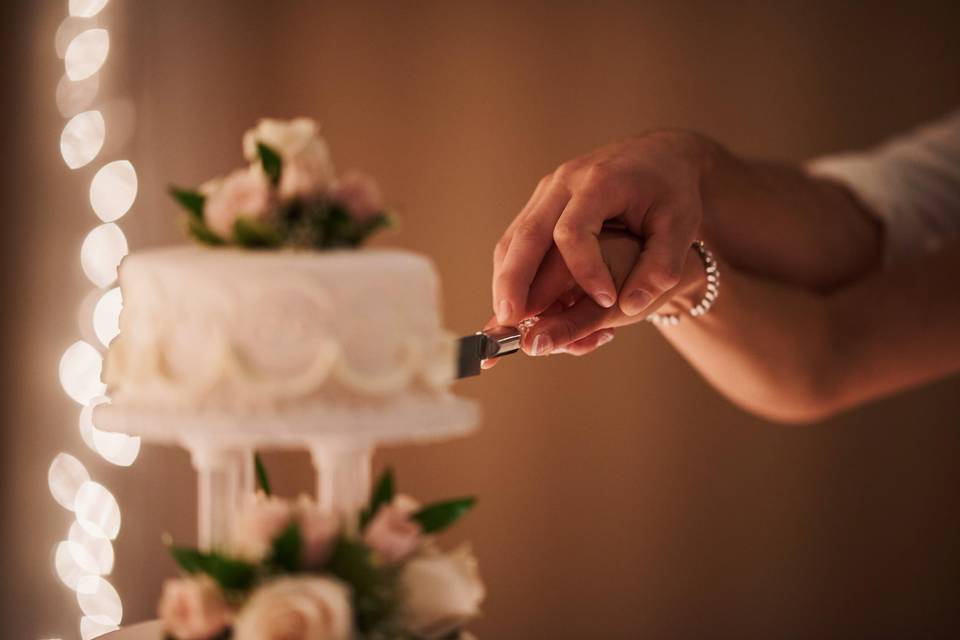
x=289, y=195
x=292, y=571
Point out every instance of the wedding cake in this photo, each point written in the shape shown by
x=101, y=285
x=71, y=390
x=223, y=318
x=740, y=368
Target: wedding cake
x=278, y=332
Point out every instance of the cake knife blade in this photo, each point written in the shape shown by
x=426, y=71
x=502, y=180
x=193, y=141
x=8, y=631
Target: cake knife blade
x=491, y=343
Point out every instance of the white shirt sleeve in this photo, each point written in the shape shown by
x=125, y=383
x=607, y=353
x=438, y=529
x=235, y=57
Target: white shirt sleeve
x=912, y=183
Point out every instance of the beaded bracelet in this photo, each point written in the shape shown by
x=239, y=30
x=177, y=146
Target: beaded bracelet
x=713, y=290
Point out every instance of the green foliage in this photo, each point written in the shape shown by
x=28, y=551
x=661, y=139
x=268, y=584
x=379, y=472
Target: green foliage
x=263, y=481
x=382, y=494
x=440, y=515
x=230, y=573
x=286, y=552
x=374, y=587
x=255, y=235
x=191, y=201
x=271, y=162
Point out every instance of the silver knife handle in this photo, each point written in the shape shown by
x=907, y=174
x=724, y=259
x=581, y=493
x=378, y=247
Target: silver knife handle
x=500, y=341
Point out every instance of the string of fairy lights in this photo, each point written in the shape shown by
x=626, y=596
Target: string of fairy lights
x=85, y=557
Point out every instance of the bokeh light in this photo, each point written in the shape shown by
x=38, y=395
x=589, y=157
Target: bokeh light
x=95, y=626
x=92, y=554
x=86, y=8
x=116, y=448
x=66, y=567
x=86, y=420
x=65, y=477
x=80, y=368
x=106, y=316
x=74, y=97
x=82, y=138
x=97, y=511
x=86, y=53
x=101, y=253
x=113, y=190
x=99, y=600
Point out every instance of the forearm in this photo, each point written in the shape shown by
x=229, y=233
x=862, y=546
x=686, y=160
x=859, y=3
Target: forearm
x=778, y=222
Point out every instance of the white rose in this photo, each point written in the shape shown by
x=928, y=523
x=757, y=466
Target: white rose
x=297, y=609
x=442, y=592
x=318, y=531
x=307, y=167
x=244, y=193
x=193, y=608
x=258, y=523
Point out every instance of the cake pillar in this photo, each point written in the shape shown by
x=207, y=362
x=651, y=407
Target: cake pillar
x=222, y=476
x=343, y=474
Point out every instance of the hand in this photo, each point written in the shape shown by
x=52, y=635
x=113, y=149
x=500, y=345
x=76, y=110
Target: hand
x=650, y=184
x=571, y=322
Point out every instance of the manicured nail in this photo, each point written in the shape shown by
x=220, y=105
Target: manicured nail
x=605, y=300
x=504, y=310
x=542, y=345
x=636, y=302
x=604, y=338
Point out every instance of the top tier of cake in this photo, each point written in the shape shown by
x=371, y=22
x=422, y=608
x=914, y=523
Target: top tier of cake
x=246, y=332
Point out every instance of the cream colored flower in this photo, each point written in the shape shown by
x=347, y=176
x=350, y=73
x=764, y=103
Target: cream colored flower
x=297, y=609
x=359, y=194
x=244, y=193
x=318, y=531
x=392, y=534
x=193, y=608
x=258, y=523
x=442, y=592
x=307, y=167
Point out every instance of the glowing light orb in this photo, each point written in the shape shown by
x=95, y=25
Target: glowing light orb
x=80, y=368
x=116, y=448
x=86, y=8
x=113, y=190
x=101, y=253
x=82, y=138
x=95, y=626
x=67, y=569
x=92, y=554
x=106, y=316
x=97, y=511
x=86, y=420
x=65, y=477
x=74, y=97
x=99, y=600
x=86, y=53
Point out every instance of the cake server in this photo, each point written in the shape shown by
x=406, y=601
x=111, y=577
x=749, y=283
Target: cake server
x=491, y=343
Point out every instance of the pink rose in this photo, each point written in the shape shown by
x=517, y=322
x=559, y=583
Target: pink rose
x=244, y=193
x=359, y=194
x=193, y=608
x=258, y=523
x=392, y=534
x=318, y=531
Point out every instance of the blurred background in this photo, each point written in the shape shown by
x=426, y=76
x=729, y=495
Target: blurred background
x=620, y=497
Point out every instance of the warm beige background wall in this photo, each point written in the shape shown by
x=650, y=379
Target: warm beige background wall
x=620, y=496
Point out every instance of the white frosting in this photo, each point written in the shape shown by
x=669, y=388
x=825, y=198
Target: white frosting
x=239, y=331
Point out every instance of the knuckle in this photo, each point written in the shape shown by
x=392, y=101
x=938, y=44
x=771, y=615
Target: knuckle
x=566, y=331
x=565, y=234
x=565, y=171
x=528, y=229
x=596, y=177
x=664, y=276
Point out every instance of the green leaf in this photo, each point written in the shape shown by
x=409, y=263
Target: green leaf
x=374, y=588
x=201, y=233
x=382, y=494
x=248, y=233
x=263, y=481
x=192, y=201
x=440, y=515
x=270, y=161
x=286, y=550
x=230, y=573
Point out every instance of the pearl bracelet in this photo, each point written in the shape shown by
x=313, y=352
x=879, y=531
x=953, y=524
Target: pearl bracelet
x=713, y=290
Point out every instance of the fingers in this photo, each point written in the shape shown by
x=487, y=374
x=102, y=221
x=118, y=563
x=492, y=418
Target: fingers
x=660, y=265
x=531, y=239
x=557, y=330
x=576, y=237
x=589, y=344
x=552, y=282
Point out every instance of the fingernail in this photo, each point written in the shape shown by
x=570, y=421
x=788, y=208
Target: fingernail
x=504, y=310
x=542, y=345
x=636, y=302
x=605, y=300
x=604, y=338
